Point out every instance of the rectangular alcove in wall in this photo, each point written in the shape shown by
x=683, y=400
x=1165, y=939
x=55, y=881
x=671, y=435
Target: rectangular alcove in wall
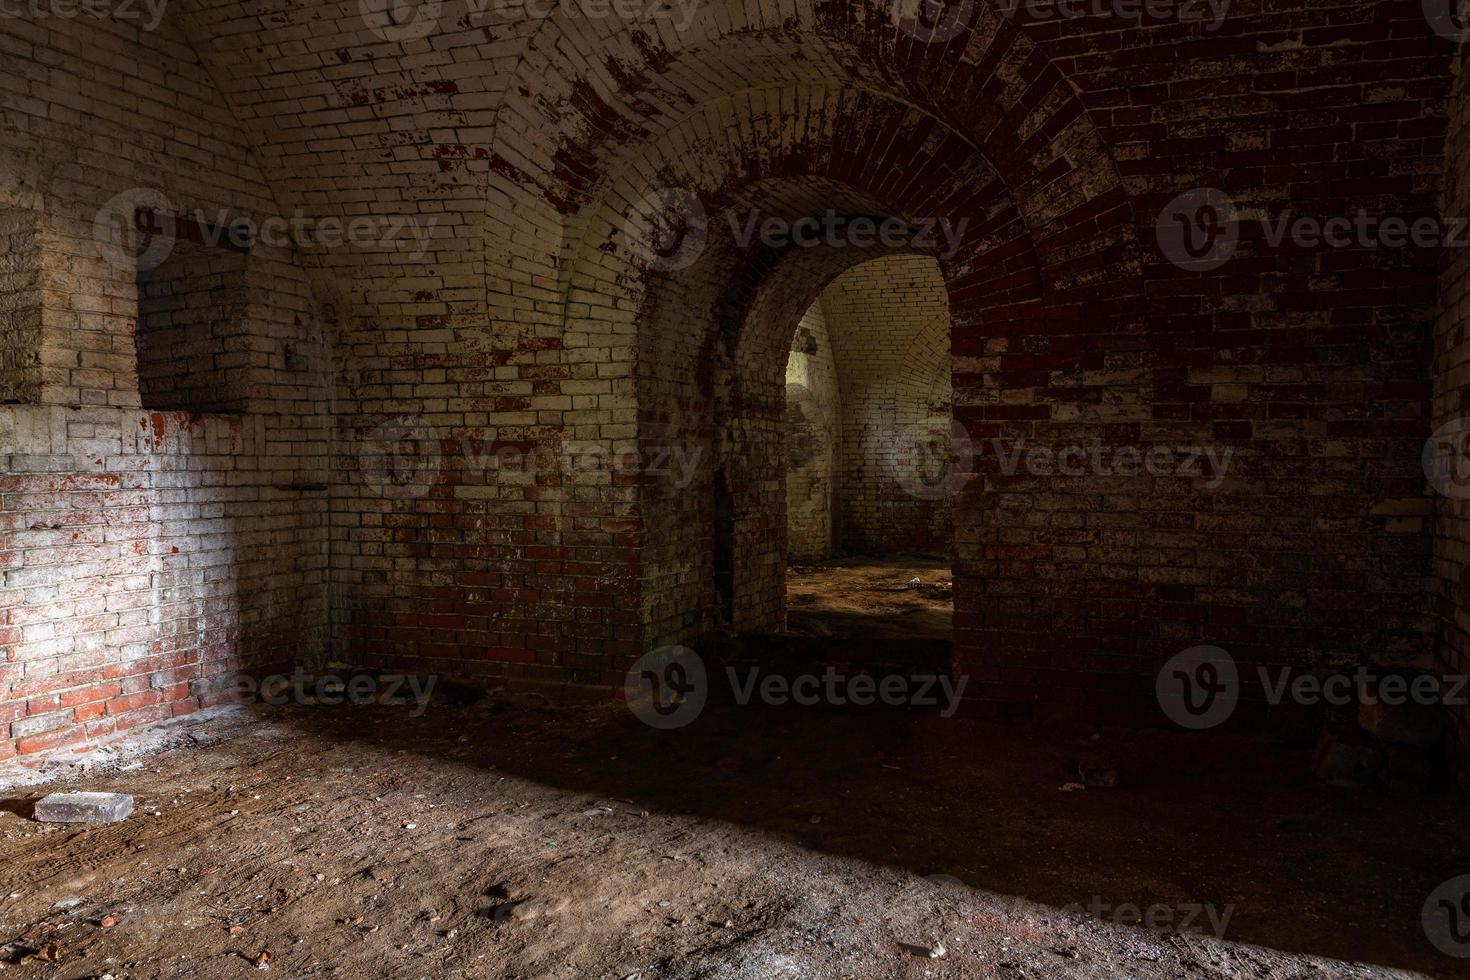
x=193, y=338
x=20, y=306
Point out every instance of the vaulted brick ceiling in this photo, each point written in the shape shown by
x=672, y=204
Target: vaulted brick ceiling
x=504, y=128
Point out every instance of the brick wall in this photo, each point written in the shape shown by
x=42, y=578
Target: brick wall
x=890, y=323
x=868, y=376
x=813, y=414
x=528, y=321
x=20, y=305
x=147, y=558
x=1450, y=370
x=144, y=556
x=190, y=308
x=1062, y=140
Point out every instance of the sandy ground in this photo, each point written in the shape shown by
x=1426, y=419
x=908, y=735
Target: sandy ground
x=852, y=598
x=512, y=839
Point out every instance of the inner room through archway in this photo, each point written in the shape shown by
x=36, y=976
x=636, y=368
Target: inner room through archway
x=868, y=412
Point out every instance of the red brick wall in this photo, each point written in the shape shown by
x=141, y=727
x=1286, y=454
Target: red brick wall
x=1309, y=362
x=146, y=559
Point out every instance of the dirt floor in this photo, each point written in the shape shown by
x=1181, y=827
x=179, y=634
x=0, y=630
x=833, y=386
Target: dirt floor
x=514, y=839
x=875, y=598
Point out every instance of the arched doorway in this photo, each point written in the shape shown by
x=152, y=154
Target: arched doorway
x=1044, y=278
x=871, y=467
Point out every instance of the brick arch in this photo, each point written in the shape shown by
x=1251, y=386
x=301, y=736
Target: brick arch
x=931, y=172
x=694, y=327
x=990, y=86
x=984, y=125
x=730, y=405
x=851, y=150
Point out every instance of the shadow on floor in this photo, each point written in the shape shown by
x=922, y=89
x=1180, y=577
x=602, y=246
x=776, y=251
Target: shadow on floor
x=1232, y=823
